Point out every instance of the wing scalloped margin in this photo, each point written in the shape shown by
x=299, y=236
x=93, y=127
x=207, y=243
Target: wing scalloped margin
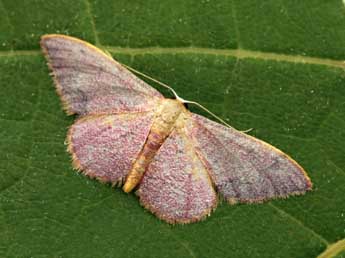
x=243, y=168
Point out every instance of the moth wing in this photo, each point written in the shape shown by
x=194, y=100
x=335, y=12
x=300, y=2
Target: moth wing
x=176, y=186
x=104, y=146
x=243, y=168
x=91, y=82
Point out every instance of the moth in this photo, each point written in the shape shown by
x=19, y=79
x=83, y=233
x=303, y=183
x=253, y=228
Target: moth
x=179, y=162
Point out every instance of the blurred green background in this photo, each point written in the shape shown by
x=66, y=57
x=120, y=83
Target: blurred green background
x=275, y=66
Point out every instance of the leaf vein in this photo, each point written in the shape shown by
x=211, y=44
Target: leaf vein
x=300, y=223
x=93, y=25
x=237, y=53
x=29, y=159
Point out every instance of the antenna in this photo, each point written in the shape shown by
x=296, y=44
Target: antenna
x=179, y=98
x=154, y=80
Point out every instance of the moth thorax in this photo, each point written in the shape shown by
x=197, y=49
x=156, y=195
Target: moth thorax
x=166, y=115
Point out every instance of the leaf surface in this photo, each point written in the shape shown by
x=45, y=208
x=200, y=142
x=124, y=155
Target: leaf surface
x=274, y=66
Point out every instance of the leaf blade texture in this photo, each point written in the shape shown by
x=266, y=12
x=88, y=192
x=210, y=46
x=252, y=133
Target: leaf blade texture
x=280, y=72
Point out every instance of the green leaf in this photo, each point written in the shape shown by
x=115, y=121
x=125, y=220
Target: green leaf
x=274, y=66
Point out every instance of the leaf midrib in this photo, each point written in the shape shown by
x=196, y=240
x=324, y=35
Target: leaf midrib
x=236, y=53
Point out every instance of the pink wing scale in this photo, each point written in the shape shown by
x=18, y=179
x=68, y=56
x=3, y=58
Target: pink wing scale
x=90, y=82
x=176, y=186
x=243, y=168
x=105, y=146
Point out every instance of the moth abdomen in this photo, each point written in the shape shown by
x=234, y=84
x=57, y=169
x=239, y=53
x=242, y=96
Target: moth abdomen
x=163, y=124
